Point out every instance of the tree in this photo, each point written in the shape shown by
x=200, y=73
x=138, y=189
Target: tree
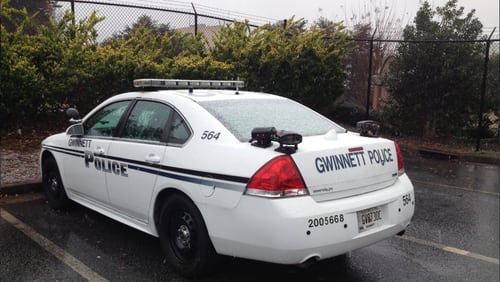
x=158, y=40
x=143, y=22
x=434, y=86
x=39, y=68
x=492, y=96
x=305, y=65
x=40, y=11
x=373, y=18
x=356, y=63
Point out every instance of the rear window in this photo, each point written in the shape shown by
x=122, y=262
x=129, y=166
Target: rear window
x=241, y=116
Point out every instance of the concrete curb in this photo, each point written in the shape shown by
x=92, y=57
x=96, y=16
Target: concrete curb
x=34, y=185
x=434, y=153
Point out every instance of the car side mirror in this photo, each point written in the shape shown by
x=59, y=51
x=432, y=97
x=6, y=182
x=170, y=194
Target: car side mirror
x=75, y=130
x=73, y=115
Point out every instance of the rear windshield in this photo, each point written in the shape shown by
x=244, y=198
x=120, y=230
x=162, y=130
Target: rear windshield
x=241, y=116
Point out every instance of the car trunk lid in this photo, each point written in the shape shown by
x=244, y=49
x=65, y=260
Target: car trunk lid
x=345, y=165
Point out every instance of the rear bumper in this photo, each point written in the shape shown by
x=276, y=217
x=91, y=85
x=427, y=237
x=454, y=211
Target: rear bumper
x=290, y=231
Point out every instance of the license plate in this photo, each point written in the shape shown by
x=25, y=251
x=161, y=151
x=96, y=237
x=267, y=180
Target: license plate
x=369, y=218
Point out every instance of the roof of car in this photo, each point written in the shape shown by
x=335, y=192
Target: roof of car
x=211, y=94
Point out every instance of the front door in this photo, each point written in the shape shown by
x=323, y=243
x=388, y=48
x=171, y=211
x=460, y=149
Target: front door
x=86, y=176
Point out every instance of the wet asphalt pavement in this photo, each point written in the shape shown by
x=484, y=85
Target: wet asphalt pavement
x=454, y=236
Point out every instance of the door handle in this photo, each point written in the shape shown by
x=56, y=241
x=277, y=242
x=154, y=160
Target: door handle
x=99, y=151
x=153, y=159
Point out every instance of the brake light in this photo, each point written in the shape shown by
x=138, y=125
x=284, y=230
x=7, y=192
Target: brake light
x=278, y=178
x=401, y=163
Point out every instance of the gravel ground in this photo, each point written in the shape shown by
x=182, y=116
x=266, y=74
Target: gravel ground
x=19, y=166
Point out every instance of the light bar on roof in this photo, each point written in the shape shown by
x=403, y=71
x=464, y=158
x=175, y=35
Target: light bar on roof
x=182, y=83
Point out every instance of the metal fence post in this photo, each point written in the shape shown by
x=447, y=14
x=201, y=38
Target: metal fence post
x=368, y=91
x=195, y=20
x=74, y=16
x=483, y=91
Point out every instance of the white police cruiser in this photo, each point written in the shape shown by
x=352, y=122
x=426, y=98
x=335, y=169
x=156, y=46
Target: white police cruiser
x=244, y=174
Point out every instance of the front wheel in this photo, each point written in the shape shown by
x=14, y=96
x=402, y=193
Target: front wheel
x=53, y=186
x=184, y=237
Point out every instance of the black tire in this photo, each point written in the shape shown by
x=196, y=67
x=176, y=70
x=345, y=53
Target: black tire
x=53, y=185
x=184, y=238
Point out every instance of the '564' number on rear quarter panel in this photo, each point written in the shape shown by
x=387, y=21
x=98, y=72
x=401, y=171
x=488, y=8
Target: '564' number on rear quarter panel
x=209, y=135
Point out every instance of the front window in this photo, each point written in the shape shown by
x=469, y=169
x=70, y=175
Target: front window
x=105, y=121
x=241, y=116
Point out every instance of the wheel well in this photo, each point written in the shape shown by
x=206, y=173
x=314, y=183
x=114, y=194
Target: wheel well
x=160, y=199
x=46, y=155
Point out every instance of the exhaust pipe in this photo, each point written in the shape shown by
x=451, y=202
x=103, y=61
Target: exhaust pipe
x=308, y=262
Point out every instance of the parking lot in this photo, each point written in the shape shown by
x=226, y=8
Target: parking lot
x=454, y=236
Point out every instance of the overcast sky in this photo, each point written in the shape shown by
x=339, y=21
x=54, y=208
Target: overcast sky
x=486, y=10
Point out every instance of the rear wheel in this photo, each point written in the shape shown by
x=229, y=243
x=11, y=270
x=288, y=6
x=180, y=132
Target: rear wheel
x=184, y=237
x=53, y=186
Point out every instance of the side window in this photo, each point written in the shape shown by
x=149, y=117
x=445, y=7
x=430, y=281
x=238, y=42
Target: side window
x=105, y=121
x=179, y=131
x=147, y=121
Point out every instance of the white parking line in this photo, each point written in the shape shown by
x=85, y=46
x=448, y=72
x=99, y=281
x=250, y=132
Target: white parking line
x=52, y=248
x=450, y=249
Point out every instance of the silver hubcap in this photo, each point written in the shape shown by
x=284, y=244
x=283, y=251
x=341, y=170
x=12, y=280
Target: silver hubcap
x=183, y=239
x=53, y=184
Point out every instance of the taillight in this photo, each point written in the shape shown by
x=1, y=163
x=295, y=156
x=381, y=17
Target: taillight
x=401, y=163
x=278, y=178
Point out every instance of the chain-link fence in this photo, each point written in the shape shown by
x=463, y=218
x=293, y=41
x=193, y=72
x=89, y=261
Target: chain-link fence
x=183, y=17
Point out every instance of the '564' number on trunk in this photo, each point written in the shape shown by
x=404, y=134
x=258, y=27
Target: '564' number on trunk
x=209, y=135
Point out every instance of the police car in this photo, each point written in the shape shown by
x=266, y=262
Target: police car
x=211, y=169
